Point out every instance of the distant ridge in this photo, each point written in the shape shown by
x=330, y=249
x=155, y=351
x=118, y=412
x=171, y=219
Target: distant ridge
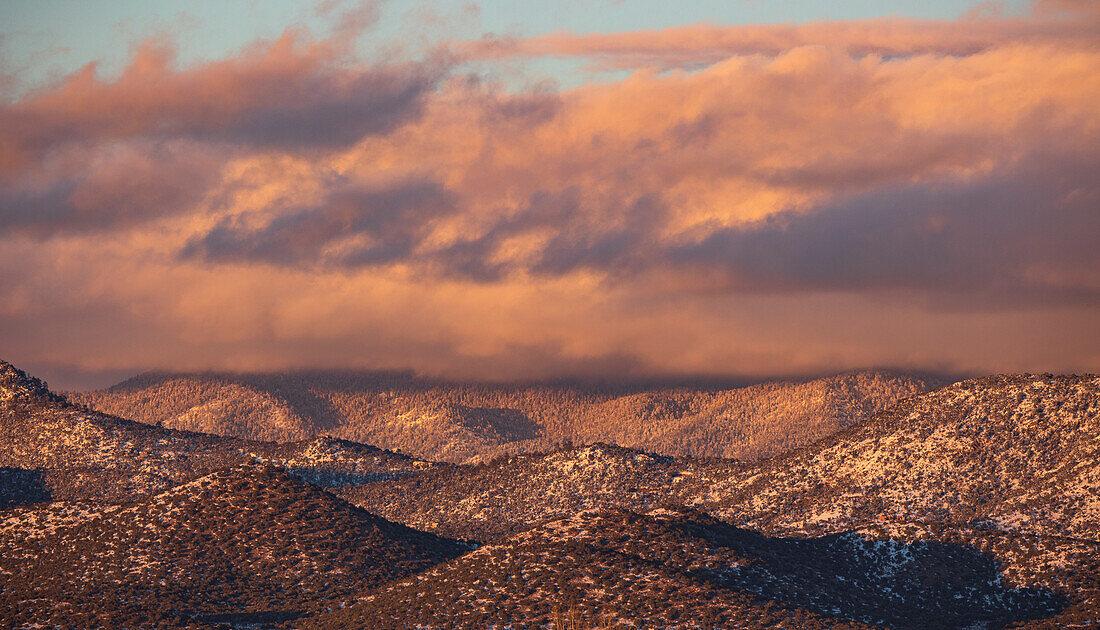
x=470, y=422
x=1014, y=453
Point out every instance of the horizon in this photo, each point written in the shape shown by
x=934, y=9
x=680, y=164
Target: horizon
x=618, y=191
x=626, y=382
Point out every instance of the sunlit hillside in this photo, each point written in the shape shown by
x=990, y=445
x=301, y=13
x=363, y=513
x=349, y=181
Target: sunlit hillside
x=474, y=422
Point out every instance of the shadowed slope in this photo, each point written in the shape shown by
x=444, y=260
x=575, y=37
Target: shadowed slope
x=677, y=568
x=245, y=540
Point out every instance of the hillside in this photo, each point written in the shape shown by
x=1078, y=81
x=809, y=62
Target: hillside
x=682, y=569
x=1014, y=453
x=455, y=422
x=54, y=450
x=1017, y=453
x=489, y=502
x=245, y=544
x=1004, y=469
x=973, y=505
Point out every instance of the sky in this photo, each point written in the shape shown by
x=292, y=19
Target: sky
x=506, y=190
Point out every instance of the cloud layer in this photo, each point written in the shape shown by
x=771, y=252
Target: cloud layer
x=749, y=199
x=1051, y=22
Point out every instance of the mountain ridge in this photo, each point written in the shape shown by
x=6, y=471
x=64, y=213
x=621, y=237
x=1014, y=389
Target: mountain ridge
x=470, y=422
x=55, y=449
x=970, y=505
x=795, y=491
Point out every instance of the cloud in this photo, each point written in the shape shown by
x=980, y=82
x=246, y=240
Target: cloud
x=704, y=44
x=286, y=94
x=88, y=153
x=791, y=199
x=351, y=226
x=109, y=187
x=350, y=22
x=149, y=314
x=1012, y=238
x=820, y=173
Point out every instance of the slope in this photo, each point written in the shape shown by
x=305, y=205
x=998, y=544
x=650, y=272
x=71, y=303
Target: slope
x=52, y=449
x=244, y=544
x=1016, y=453
x=489, y=502
x=456, y=422
x=677, y=568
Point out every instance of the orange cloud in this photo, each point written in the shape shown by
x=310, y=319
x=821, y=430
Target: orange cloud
x=1053, y=21
x=288, y=93
x=89, y=153
x=822, y=197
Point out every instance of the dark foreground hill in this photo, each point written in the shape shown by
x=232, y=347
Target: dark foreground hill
x=249, y=544
x=456, y=422
x=682, y=569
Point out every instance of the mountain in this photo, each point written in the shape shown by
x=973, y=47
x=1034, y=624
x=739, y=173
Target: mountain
x=247, y=544
x=456, y=422
x=1013, y=453
x=488, y=502
x=1004, y=467
x=1010, y=453
x=18, y=387
x=678, y=568
x=50, y=448
x=970, y=506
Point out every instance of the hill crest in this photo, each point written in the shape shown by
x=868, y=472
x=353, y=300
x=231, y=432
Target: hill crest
x=17, y=385
x=476, y=422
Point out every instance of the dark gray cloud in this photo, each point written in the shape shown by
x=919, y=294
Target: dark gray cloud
x=100, y=190
x=351, y=227
x=89, y=154
x=614, y=239
x=1023, y=235
x=627, y=245
x=324, y=111
x=285, y=95
x=476, y=258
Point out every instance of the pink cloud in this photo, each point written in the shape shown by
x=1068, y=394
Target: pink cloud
x=288, y=93
x=295, y=206
x=704, y=44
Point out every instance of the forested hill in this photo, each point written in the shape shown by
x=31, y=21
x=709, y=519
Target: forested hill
x=969, y=506
x=463, y=422
x=51, y=449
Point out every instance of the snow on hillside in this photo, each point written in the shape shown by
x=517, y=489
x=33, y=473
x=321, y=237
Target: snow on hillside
x=464, y=422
